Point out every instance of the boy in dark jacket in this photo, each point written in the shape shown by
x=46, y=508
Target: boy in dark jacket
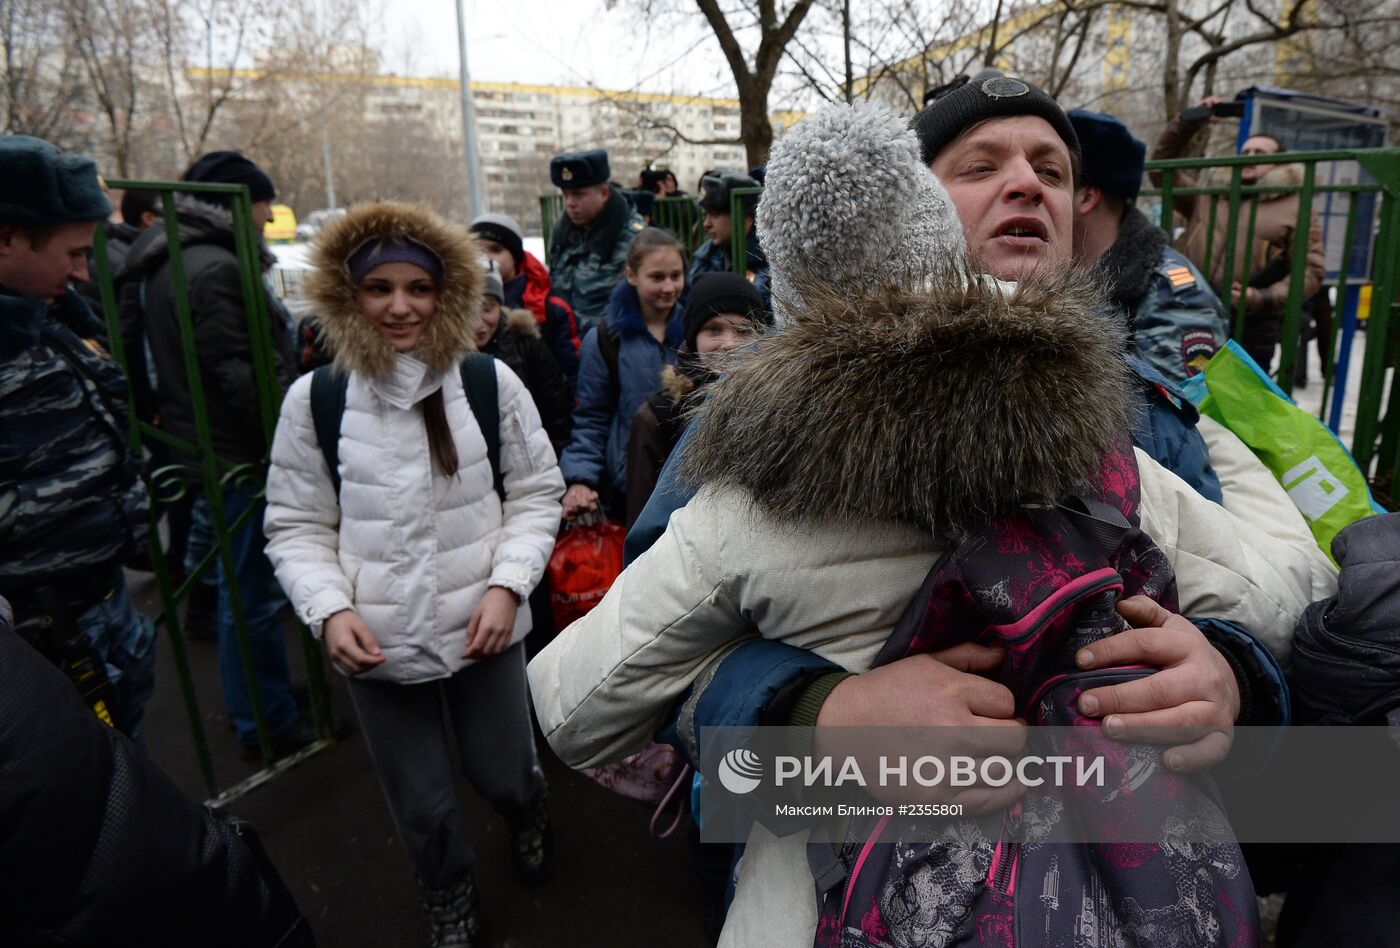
x=223, y=343
x=513, y=336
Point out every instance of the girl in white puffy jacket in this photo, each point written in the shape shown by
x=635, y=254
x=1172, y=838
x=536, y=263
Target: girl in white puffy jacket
x=414, y=570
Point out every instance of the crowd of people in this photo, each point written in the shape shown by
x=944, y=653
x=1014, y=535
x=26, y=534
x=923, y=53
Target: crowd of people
x=933, y=321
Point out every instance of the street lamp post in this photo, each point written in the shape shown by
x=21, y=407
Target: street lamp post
x=469, y=139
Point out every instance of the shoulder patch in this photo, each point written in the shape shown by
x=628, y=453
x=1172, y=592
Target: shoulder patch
x=1181, y=279
x=637, y=226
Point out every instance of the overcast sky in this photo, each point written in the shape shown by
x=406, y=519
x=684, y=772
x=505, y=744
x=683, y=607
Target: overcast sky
x=556, y=42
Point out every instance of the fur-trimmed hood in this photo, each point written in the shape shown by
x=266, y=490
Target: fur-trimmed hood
x=938, y=406
x=519, y=321
x=355, y=344
x=1278, y=176
x=200, y=223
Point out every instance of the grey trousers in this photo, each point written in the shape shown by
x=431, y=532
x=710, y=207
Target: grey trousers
x=407, y=737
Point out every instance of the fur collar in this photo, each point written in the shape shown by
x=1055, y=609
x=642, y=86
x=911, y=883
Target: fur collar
x=519, y=321
x=200, y=223
x=1279, y=176
x=22, y=319
x=355, y=345
x=601, y=236
x=938, y=407
x=1127, y=267
x=625, y=317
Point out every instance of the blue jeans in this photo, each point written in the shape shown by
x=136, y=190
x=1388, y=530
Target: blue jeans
x=262, y=600
x=126, y=640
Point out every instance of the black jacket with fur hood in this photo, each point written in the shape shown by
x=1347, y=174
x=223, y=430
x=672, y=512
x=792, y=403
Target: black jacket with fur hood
x=219, y=313
x=517, y=343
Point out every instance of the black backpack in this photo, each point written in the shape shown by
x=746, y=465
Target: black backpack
x=328, y=388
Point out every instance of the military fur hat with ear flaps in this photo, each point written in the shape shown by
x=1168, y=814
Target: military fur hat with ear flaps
x=353, y=341
x=903, y=387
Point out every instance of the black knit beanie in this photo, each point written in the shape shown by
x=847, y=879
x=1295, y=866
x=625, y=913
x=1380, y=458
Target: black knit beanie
x=229, y=167
x=721, y=292
x=501, y=229
x=987, y=95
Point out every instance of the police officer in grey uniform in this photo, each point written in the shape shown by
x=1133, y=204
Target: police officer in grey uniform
x=588, y=246
x=73, y=506
x=1176, y=320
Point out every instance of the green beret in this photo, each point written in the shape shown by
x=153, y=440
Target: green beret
x=41, y=185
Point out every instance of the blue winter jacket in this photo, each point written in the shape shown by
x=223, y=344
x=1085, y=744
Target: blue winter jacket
x=597, y=452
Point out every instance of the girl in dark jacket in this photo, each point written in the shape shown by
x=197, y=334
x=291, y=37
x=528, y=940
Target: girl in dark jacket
x=620, y=367
x=724, y=311
x=513, y=336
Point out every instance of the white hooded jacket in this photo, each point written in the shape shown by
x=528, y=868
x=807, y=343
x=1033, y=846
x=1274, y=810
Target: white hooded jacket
x=411, y=551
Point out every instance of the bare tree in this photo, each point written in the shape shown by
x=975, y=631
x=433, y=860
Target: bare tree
x=111, y=39
x=39, y=73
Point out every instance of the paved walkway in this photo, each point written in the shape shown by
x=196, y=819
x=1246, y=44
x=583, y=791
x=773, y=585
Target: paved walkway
x=327, y=828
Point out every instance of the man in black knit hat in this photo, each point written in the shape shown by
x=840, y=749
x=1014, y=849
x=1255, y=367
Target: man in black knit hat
x=220, y=318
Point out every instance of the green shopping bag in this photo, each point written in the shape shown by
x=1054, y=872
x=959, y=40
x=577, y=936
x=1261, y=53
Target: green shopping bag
x=1314, y=467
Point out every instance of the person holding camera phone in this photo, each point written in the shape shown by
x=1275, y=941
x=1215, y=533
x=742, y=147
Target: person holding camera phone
x=1261, y=267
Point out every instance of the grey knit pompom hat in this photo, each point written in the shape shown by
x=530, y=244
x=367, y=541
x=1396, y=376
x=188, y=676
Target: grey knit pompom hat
x=847, y=200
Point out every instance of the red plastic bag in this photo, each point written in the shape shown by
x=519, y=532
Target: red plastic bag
x=586, y=561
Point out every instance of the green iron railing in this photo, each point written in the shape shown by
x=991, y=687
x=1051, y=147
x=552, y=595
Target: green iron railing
x=1376, y=442
x=215, y=474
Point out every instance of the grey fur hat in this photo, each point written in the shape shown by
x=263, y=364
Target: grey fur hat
x=846, y=199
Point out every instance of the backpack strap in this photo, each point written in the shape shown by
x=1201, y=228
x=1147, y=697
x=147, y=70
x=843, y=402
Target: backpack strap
x=608, y=345
x=479, y=382
x=328, y=389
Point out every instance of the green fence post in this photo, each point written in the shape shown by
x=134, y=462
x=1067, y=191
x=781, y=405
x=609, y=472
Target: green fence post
x=1293, y=311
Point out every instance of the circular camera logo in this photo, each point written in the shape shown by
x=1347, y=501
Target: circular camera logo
x=740, y=771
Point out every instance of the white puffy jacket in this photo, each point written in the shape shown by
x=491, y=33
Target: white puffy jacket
x=409, y=550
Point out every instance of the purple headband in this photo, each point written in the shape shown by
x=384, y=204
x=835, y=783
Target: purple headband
x=380, y=250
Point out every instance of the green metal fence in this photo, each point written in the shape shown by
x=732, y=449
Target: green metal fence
x=1376, y=443
x=198, y=461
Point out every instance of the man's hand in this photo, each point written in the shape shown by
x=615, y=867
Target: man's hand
x=1193, y=698
x=578, y=499
x=350, y=643
x=1253, y=297
x=492, y=623
x=1209, y=103
x=942, y=690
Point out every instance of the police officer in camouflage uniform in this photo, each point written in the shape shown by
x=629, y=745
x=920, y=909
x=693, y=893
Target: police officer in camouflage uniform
x=73, y=506
x=1176, y=320
x=588, y=246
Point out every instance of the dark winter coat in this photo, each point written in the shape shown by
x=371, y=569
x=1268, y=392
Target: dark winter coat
x=1346, y=660
x=98, y=847
x=517, y=343
x=220, y=318
x=585, y=263
x=597, y=451
x=71, y=495
x=531, y=289
x=657, y=429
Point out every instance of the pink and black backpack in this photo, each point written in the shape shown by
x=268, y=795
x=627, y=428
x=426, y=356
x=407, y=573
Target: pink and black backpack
x=1042, y=581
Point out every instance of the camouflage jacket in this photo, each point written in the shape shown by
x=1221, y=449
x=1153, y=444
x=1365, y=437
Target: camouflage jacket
x=585, y=263
x=1176, y=320
x=71, y=494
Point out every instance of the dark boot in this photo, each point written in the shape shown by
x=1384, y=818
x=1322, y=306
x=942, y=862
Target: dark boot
x=532, y=843
x=452, y=914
